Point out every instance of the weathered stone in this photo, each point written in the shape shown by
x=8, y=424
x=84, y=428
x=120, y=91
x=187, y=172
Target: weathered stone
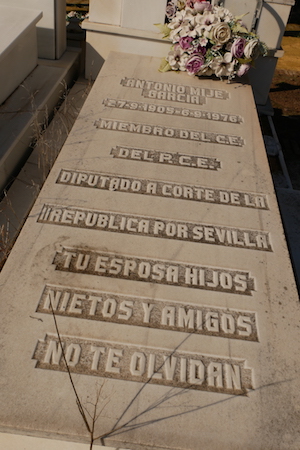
x=157, y=243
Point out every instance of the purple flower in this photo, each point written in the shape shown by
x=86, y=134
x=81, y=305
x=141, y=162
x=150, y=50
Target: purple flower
x=185, y=42
x=199, y=49
x=199, y=5
x=238, y=46
x=170, y=10
x=194, y=64
x=243, y=69
x=202, y=6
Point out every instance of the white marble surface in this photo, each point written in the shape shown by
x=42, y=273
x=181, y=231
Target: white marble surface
x=272, y=23
x=20, y=21
x=135, y=14
x=142, y=14
x=101, y=39
x=272, y=19
x=102, y=11
x=21, y=442
x=147, y=194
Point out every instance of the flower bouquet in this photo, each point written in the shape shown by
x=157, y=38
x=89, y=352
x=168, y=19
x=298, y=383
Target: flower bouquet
x=208, y=40
x=76, y=16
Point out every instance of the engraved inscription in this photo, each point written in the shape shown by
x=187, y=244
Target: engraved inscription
x=144, y=364
x=159, y=157
x=166, y=189
x=125, y=267
x=155, y=227
x=169, y=110
x=174, y=92
x=146, y=312
x=167, y=132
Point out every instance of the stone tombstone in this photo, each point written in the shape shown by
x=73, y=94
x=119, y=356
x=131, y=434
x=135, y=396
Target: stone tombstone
x=128, y=26
x=125, y=26
x=51, y=30
x=269, y=19
x=154, y=263
x=135, y=14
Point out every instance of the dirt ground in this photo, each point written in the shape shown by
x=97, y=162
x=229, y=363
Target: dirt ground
x=285, y=99
x=285, y=93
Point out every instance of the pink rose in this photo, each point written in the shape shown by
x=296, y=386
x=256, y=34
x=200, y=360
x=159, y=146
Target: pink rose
x=185, y=42
x=237, y=49
x=199, y=49
x=170, y=10
x=243, y=69
x=202, y=6
x=199, y=5
x=194, y=64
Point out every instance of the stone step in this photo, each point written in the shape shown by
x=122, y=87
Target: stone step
x=23, y=113
x=20, y=197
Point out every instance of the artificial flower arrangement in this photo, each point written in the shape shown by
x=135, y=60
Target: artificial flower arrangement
x=207, y=40
x=75, y=15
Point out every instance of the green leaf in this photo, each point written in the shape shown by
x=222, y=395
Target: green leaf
x=241, y=16
x=164, y=29
x=164, y=66
x=244, y=60
x=238, y=28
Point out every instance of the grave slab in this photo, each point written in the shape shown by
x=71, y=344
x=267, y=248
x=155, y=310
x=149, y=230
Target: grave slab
x=154, y=265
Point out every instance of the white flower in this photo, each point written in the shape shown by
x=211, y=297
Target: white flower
x=249, y=48
x=223, y=14
x=190, y=28
x=206, y=20
x=180, y=18
x=174, y=35
x=177, y=59
x=177, y=20
x=223, y=66
x=179, y=25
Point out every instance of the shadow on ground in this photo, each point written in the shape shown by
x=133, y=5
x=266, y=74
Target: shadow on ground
x=285, y=99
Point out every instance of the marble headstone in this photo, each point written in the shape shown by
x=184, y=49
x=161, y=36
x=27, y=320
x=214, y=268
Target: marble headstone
x=155, y=258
